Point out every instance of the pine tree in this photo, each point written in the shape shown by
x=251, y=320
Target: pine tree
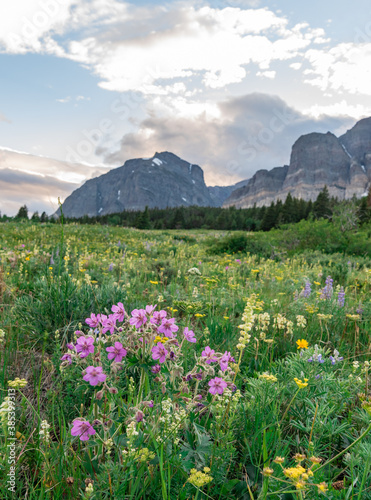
x=322, y=205
x=270, y=218
x=44, y=217
x=35, y=217
x=143, y=220
x=22, y=213
x=369, y=197
x=288, y=210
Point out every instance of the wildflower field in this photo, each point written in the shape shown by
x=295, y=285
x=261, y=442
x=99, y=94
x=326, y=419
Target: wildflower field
x=154, y=365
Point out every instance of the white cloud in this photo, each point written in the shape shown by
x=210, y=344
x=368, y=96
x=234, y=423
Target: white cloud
x=266, y=74
x=345, y=67
x=342, y=108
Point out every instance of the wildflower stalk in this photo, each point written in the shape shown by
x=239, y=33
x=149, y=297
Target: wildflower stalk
x=365, y=474
x=288, y=407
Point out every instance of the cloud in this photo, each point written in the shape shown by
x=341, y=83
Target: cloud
x=38, y=181
x=3, y=118
x=133, y=47
x=252, y=132
x=345, y=67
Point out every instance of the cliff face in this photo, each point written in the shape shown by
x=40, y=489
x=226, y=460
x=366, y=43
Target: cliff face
x=165, y=180
x=343, y=164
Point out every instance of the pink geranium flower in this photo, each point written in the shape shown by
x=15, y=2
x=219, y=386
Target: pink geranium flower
x=217, y=386
x=119, y=311
x=158, y=316
x=138, y=317
x=159, y=352
x=67, y=357
x=93, y=321
x=150, y=309
x=109, y=324
x=168, y=327
x=209, y=355
x=94, y=375
x=189, y=335
x=84, y=346
x=117, y=352
x=224, y=360
x=83, y=429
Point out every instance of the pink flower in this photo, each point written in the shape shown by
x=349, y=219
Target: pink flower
x=224, y=360
x=117, y=352
x=209, y=355
x=84, y=346
x=158, y=316
x=138, y=317
x=83, y=429
x=93, y=321
x=109, y=324
x=119, y=312
x=189, y=335
x=159, y=352
x=94, y=375
x=217, y=385
x=67, y=357
x=150, y=309
x=168, y=327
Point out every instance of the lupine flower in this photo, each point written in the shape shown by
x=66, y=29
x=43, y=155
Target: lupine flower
x=156, y=369
x=168, y=327
x=189, y=335
x=110, y=268
x=138, y=317
x=84, y=346
x=117, y=352
x=119, y=312
x=224, y=360
x=217, y=385
x=159, y=352
x=94, y=375
x=157, y=317
x=336, y=358
x=327, y=290
x=93, y=321
x=209, y=355
x=67, y=357
x=307, y=289
x=341, y=297
x=51, y=261
x=83, y=429
x=109, y=324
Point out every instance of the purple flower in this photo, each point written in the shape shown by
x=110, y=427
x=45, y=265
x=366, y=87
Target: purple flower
x=67, y=357
x=189, y=335
x=327, y=290
x=224, y=360
x=109, y=324
x=336, y=358
x=94, y=375
x=341, y=297
x=71, y=346
x=83, y=429
x=93, y=321
x=238, y=261
x=119, y=312
x=158, y=316
x=307, y=289
x=159, y=352
x=168, y=327
x=117, y=352
x=51, y=260
x=138, y=317
x=217, y=385
x=156, y=369
x=110, y=268
x=199, y=375
x=139, y=416
x=209, y=355
x=84, y=346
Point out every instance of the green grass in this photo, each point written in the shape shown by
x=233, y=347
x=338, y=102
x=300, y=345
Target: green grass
x=52, y=278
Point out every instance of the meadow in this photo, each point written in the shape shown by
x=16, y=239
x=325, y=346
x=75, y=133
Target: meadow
x=142, y=364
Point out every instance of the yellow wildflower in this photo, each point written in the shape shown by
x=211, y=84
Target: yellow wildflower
x=302, y=344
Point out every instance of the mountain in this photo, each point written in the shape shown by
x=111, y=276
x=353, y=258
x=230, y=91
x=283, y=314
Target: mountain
x=165, y=180
x=343, y=164
x=220, y=193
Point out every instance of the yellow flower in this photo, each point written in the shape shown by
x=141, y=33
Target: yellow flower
x=226, y=317
x=27, y=258
x=316, y=283
x=302, y=344
x=17, y=383
x=198, y=315
x=300, y=383
x=153, y=282
x=322, y=487
x=255, y=270
x=160, y=339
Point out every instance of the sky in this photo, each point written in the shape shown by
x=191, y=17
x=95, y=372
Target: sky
x=229, y=85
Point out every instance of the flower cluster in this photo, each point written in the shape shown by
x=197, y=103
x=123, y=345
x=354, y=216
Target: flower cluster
x=248, y=318
x=198, y=478
x=17, y=383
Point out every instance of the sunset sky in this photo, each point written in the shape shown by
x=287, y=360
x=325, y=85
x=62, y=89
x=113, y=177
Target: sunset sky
x=229, y=85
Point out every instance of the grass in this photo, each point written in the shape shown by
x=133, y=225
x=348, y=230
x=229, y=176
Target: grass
x=165, y=435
